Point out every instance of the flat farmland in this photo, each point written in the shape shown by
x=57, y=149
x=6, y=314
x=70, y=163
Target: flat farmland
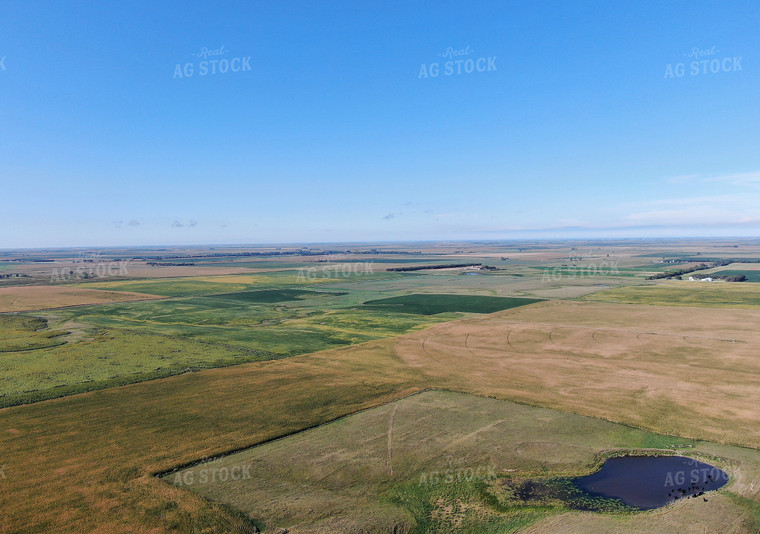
x=322, y=359
x=31, y=298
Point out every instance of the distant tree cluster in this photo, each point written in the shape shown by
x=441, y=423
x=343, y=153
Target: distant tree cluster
x=425, y=267
x=715, y=262
x=678, y=272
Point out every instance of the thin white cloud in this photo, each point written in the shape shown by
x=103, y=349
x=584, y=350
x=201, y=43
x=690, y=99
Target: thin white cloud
x=690, y=201
x=738, y=179
x=681, y=179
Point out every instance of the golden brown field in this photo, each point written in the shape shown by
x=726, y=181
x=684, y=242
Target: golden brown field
x=685, y=371
x=30, y=298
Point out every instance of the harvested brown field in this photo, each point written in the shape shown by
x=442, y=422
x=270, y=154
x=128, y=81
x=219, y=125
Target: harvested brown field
x=31, y=298
x=686, y=371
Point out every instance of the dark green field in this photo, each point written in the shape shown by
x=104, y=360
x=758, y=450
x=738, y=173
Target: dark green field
x=431, y=304
x=274, y=295
x=752, y=276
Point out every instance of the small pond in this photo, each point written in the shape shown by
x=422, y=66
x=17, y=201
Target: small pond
x=647, y=482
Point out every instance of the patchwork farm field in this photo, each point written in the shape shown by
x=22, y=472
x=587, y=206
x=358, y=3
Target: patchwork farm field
x=194, y=327
x=369, y=381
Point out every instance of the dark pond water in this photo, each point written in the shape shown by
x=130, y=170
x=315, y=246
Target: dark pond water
x=648, y=482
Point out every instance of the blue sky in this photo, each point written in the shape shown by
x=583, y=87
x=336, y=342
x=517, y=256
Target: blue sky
x=334, y=135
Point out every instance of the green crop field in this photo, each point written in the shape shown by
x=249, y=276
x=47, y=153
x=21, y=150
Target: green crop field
x=274, y=295
x=751, y=276
x=431, y=304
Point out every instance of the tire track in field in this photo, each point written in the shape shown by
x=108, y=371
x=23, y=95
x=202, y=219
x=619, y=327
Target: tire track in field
x=426, y=351
x=389, y=461
x=466, y=344
x=509, y=342
x=624, y=330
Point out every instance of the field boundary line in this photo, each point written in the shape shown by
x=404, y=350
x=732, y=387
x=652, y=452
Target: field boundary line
x=229, y=452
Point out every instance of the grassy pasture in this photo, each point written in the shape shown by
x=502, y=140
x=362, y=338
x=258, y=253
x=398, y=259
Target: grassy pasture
x=130, y=342
x=406, y=463
x=430, y=304
x=20, y=333
x=685, y=293
x=319, y=320
x=108, y=358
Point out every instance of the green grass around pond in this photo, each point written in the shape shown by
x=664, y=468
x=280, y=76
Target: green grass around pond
x=430, y=304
